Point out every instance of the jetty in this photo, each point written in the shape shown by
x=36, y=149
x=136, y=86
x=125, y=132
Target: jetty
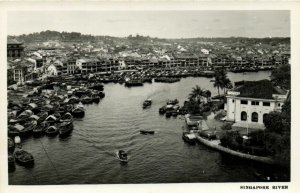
x=215, y=144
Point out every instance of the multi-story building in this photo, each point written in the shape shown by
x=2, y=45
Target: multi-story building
x=15, y=49
x=250, y=101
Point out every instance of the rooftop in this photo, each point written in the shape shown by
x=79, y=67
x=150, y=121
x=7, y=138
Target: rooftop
x=13, y=41
x=263, y=89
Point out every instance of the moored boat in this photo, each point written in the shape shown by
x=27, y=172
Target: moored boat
x=10, y=144
x=188, y=137
x=52, y=130
x=23, y=157
x=78, y=111
x=65, y=128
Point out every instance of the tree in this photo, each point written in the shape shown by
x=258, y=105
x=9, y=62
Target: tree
x=196, y=94
x=273, y=122
x=281, y=76
x=221, y=80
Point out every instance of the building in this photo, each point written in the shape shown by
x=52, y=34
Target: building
x=15, y=49
x=249, y=102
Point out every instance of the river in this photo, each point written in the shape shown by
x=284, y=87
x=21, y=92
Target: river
x=87, y=156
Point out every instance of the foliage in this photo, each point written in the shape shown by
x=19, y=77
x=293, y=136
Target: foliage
x=197, y=94
x=273, y=122
x=221, y=80
x=226, y=127
x=281, y=76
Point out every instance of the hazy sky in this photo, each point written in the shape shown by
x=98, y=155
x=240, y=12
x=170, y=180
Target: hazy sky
x=163, y=24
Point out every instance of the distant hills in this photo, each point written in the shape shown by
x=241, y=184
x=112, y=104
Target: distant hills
x=78, y=37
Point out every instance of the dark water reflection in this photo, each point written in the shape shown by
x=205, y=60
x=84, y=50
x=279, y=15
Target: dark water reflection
x=88, y=154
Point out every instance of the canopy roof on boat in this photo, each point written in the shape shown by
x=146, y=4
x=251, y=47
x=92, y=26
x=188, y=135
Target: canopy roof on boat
x=34, y=117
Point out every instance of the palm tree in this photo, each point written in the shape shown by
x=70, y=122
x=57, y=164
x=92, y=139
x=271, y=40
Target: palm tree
x=219, y=77
x=196, y=94
x=226, y=85
x=207, y=95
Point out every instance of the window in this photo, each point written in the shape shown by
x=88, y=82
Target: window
x=243, y=116
x=279, y=104
x=244, y=102
x=233, y=100
x=266, y=104
x=254, y=117
x=255, y=103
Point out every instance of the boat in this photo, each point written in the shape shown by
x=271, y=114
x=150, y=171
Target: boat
x=133, y=83
x=95, y=98
x=78, y=111
x=10, y=145
x=11, y=160
x=28, y=128
x=14, y=130
x=122, y=156
x=65, y=128
x=86, y=99
x=40, y=129
x=101, y=94
x=23, y=157
x=172, y=102
x=52, y=130
x=168, y=114
x=147, y=103
x=42, y=116
x=145, y=132
x=162, y=110
x=51, y=119
x=67, y=118
x=190, y=138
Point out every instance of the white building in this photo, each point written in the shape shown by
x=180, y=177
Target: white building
x=249, y=102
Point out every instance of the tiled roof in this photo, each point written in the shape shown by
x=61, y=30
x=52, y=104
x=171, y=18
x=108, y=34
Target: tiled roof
x=263, y=89
x=13, y=41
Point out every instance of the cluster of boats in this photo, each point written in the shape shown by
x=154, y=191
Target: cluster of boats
x=16, y=154
x=51, y=113
x=171, y=108
x=196, y=126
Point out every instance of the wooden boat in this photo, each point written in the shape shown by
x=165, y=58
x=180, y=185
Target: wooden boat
x=168, y=114
x=162, y=110
x=13, y=130
x=23, y=157
x=147, y=103
x=51, y=119
x=78, y=111
x=86, y=99
x=97, y=87
x=28, y=128
x=40, y=128
x=172, y=102
x=95, y=98
x=10, y=145
x=101, y=94
x=65, y=128
x=67, y=118
x=122, y=156
x=133, y=83
x=42, y=116
x=52, y=130
x=190, y=138
x=145, y=132
x=11, y=160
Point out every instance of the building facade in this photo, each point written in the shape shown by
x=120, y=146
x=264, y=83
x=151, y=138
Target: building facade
x=253, y=100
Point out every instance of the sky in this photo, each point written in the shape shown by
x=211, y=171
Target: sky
x=161, y=24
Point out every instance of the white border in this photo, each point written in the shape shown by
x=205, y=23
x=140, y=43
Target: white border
x=294, y=7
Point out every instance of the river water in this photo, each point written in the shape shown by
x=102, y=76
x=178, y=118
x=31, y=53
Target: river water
x=87, y=156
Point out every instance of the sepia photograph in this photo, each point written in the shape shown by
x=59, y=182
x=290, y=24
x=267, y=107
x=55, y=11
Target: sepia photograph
x=148, y=96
